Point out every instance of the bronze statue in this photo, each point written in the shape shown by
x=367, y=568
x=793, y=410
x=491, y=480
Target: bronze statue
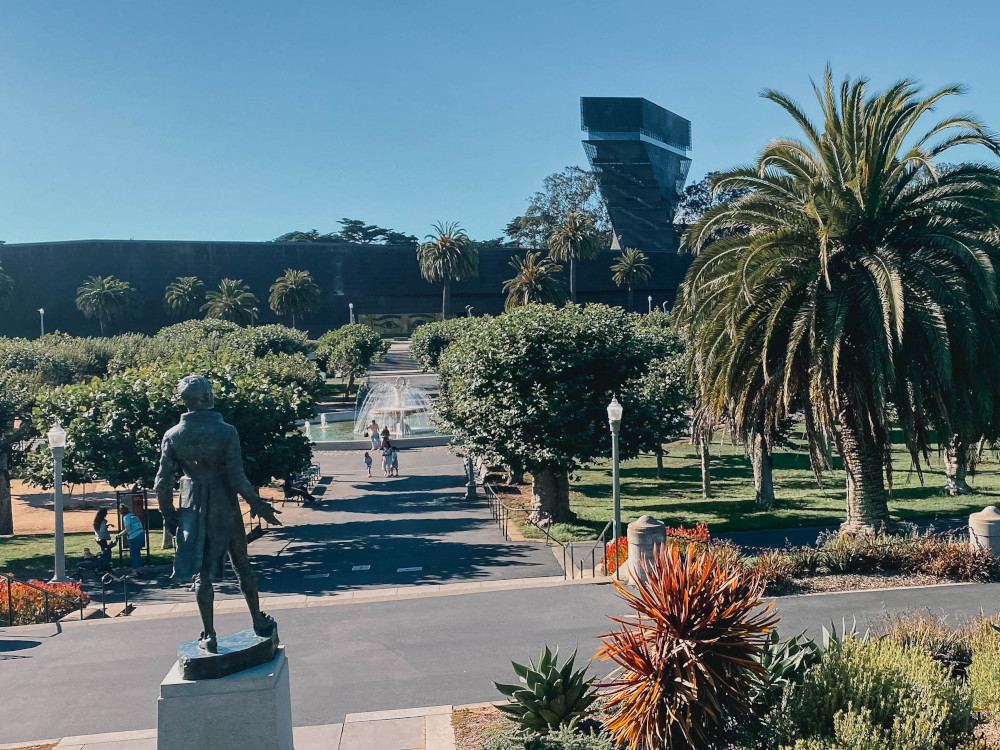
x=208, y=524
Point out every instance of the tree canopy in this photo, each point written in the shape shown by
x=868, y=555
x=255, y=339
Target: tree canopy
x=537, y=280
x=631, y=267
x=350, y=350
x=295, y=294
x=233, y=302
x=108, y=299
x=573, y=190
x=446, y=255
x=352, y=230
x=6, y=290
x=184, y=296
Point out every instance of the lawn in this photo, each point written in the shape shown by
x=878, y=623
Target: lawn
x=676, y=498
x=31, y=555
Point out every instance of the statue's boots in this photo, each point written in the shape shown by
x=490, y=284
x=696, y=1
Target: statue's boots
x=209, y=643
x=263, y=624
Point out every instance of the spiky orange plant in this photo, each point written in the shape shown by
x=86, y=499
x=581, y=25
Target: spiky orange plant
x=687, y=656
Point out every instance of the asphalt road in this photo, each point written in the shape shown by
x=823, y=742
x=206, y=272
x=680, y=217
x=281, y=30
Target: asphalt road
x=104, y=676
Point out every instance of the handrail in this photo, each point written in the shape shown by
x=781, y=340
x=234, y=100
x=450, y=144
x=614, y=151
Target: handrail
x=12, y=579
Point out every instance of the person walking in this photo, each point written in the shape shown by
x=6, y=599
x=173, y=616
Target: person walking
x=368, y=462
x=102, y=534
x=373, y=434
x=395, y=462
x=387, y=459
x=133, y=531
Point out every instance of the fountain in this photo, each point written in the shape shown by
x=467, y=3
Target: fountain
x=404, y=408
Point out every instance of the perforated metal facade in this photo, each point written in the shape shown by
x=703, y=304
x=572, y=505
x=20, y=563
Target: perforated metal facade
x=639, y=152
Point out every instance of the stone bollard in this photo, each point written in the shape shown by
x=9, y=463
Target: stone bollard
x=984, y=529
x=645, y=534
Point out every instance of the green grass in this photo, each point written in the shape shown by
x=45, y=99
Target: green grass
x=676, y=498
x=31, y=555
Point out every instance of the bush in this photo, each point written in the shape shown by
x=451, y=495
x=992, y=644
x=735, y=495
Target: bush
x=690, y=656
x=350, y=350
x=984, y=671
x=930, y=634
x=609, y=563
x=28, y=604
x=876, y=695
x=565, y=738
x=784, y=663
x=773, y=567
x=953, y=559
x=430, y=339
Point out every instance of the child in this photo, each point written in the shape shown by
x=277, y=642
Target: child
x=395, y=464
x=368, y=462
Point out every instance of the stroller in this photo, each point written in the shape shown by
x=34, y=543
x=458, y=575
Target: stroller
x=99, y=564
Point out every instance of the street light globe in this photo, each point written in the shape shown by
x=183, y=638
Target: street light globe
x=41, y=310
x=614, y=410
x=57, y=436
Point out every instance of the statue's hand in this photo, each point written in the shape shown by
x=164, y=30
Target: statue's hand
x=269, y=513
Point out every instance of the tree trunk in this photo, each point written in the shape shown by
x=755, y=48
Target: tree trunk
x=572, y=281
x=867, y=500
x=550, y=497
x=956, y=463
x=168, y=539
x=293, y=326
x=629, y=298
x=706, y=477
x=6, y=503
x=514, y=476
x=763, y=468
x=445, y=299
x=659, y=462
x=100, y=322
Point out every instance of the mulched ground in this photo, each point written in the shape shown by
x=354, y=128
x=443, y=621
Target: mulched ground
x=821, y=584
x=990, y=733
x=475, y=724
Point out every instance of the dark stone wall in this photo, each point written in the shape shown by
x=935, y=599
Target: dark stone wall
x=376, y=278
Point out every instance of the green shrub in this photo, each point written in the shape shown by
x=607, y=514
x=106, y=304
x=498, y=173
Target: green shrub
x=564, y=738
x=984, y=671
x=932, y=635
x=877, y=695
x=773, y=567
x=953, y=559
x=430, y=339
x=550, y=696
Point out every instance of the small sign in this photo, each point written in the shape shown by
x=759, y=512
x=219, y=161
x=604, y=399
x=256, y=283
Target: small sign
x=318, y=575
x=408, y=570
x=362, y=567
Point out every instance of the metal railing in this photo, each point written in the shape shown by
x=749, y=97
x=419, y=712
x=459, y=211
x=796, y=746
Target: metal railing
x=10, y=580
x=503, y=513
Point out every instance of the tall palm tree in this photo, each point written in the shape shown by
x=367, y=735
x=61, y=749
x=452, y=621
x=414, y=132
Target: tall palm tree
x=106, y=298
x=854, y=276
x=447, y=255
x=294, y=294
x=233, y=302
x=575, y=238
x=184, y=296
x=537, y=281
x=6, y=290
x=632, y=267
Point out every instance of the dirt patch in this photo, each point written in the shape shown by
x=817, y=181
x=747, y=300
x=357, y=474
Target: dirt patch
x=990, y=734
x=475, y=724
x=822, y=584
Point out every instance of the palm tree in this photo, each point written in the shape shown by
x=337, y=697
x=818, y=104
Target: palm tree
x=632, y=267
x=537, y=281
x=447, y=255
x=184, y=296
x=233, y=302
x=106, y=298
x=294, y=294
x=572, y=240
x=6, y=290
x=854, y=276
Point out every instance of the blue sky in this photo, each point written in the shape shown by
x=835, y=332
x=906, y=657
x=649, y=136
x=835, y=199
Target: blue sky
x=243, y=120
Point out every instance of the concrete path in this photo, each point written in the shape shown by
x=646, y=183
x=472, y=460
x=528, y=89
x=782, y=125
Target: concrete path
x=368, y=656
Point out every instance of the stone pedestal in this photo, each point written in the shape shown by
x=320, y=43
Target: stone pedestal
x=249, y=710
x=645, y=534
x=984, y=529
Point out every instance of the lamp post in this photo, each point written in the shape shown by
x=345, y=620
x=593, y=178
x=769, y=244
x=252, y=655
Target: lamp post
x=41, y=321
x=350, y=312
x=57, y=442
x=470, y=474
x=468, y=311
x=615, y=422
x=649, y=299
x=665, y=307
x=253, y=317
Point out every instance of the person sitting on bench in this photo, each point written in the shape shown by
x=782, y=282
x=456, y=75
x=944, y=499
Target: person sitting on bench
x=300, y=492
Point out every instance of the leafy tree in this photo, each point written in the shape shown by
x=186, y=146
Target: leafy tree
x=574, y=190
x=865, y=280
x=352, y=230
x=575, y=238
x=294, y=294
x=430, y=339
x=233, y=302
x=6, y=290
x=530, y=388
x=106, y=298
x=447, y=256
x=184, y=296
x=536, y=282
x=699, y=197
x=311, y=236
x=350, y=350
x=632, y=267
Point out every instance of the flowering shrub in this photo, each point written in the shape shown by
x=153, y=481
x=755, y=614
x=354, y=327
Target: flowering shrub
x=27, y=604
x=608, y=562
x=698, y=534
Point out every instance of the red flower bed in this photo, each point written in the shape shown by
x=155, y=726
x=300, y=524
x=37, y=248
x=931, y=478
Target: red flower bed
x=609, y=554
x=698, y=534
x=27, y=604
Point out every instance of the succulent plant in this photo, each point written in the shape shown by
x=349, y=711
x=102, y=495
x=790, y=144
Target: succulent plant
x=548, y=696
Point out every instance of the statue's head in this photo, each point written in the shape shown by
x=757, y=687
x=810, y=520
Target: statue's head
x=196, y=393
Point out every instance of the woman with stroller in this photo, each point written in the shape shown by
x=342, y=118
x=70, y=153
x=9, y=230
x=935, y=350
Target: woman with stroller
x=102, y=532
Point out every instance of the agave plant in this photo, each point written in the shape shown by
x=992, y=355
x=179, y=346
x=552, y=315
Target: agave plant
x=548, y=696
x=690, y=655
x=784, y=662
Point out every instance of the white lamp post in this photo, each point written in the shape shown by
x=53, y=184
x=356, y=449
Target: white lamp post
x=350, y=311
x=649, y=299
x=41, y=320
x=615, y=422
x=57, y=442
x=468, y=311
x=253, y=317
x=665, y=307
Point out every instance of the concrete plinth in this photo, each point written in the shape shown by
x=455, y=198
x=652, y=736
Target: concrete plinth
x=984, y=529
x=645, y=534
x=249, y=710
